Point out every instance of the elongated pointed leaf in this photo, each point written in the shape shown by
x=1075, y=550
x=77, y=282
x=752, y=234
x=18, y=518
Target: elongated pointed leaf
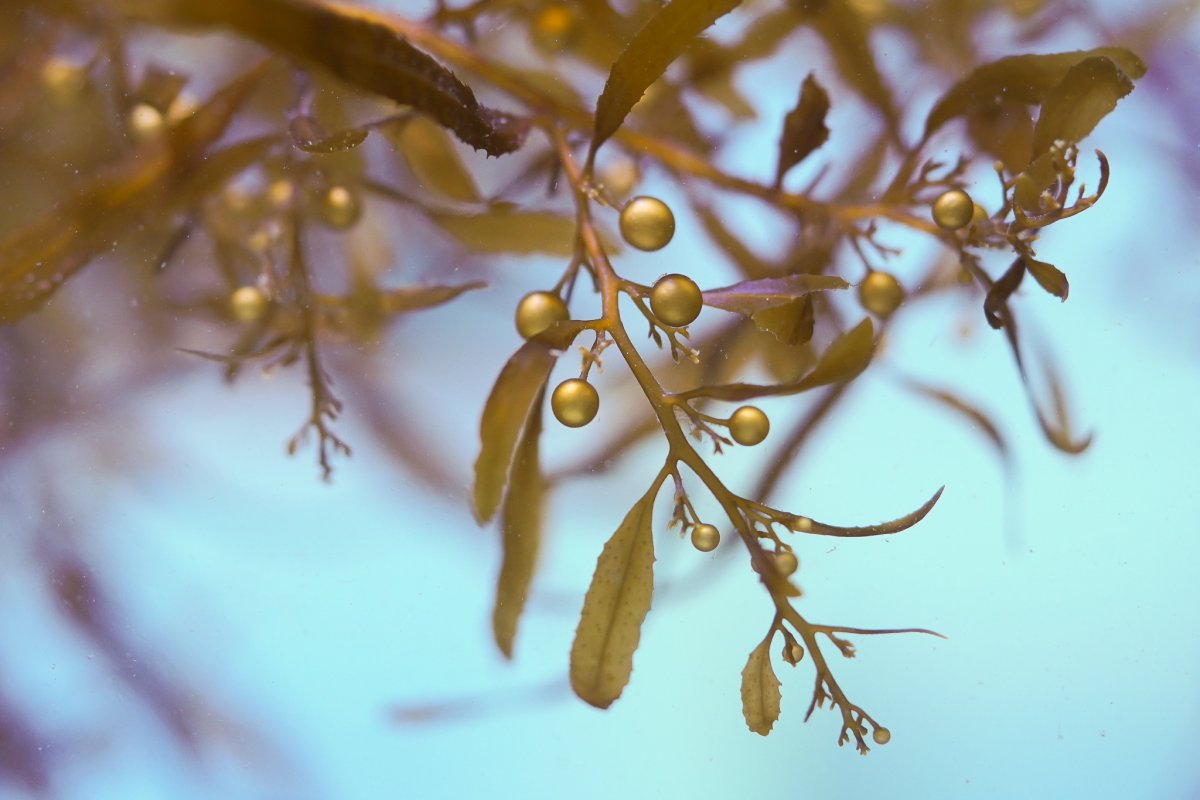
x=507, y=409
x=616, y=603
x=1024, y=79
x=509, y=231
x=972, y=413
x=432, y=159
x=804, y=128
x=1087, y=94
x=760, y=691
x=361, y=47
x=521, y=529
x=1049, y=277
x=848, y=38
x=310, y=136
x=848, y=356
x=663, y=38
x=750, y=297
x=791, y=324
x=807, y=525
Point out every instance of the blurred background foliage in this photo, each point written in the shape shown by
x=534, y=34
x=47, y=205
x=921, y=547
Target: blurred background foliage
x=187, y=612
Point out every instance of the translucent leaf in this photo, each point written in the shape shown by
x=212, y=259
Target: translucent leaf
x=1086, y=94
x=663, y=38
x=1004, y=131
x=507, y=409
x=36, y=260
x=848, y=356
x=995, y=303
x=432, y=158
x=616, y=603
x=750, y=297
x=760, y=690
x=807, y=525
x=1024, y=79
x=521, y=529
x=509, y=231
x=848, y=39
x=980, y=419
x=310, y=136
x=1049, y=277
x=361, y=47
x=804, y=127
x=791, y=323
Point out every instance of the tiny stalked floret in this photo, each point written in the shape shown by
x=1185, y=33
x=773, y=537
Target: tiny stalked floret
x=676, y=300
x=880, y=293
x=647, y=223
x=749, y=425
x=537, y=311
x=705, y=538
x=953, y=209
x=575, y=402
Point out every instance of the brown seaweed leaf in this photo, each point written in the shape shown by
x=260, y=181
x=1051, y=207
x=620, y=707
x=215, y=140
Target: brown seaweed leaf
x=1087, y=93
x=760, y=690
x=35, y=261
x=521, y=529
x=356, y=45
x=310, y=136
x=753, y=296
x=507, y=230
x=792, y=323
x=616, y=603
x=660, y=41
x=1049, y=277
x=1027, y=79
x=972, y=413
x=848, y=39
x=807, y=525
x=845, y=359
x=431, y=158
x=507, y=409
x=804, y=128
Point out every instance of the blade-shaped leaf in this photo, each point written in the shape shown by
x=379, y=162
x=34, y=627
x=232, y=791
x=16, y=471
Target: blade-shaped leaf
x=750, y=297
x=1024, y=79
x=848, y=356
x=807, y=525
x=995, y=303
x=616, y=603
x=507, y=409
x=521, y=529
x=791, y=324
x=432, y=158
x=1049, y=277
x=804, y=128
x=760, y=690
x=359, y=46
x=509, y=231
x=848, y=38
x=660, y=41
x=310, y=136
x=969, y=411
x=1086, y=95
